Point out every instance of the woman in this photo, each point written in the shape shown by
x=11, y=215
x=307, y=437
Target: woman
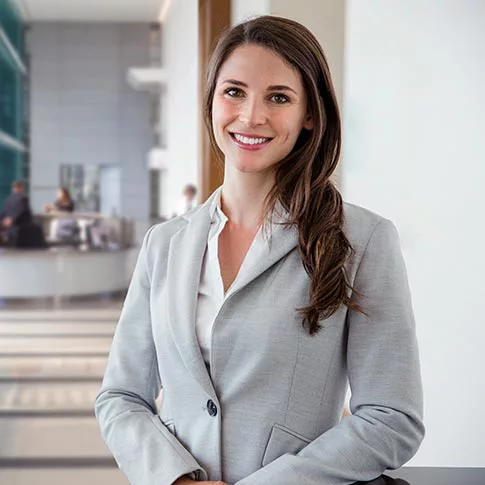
x=63, y=203
x=63, y=229
x=252, y=310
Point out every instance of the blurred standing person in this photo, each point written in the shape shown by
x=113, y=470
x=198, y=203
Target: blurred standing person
x=16, y=212
x=188, y=200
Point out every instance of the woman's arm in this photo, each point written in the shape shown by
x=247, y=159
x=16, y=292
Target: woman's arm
x=385, y=428
x=145, y=450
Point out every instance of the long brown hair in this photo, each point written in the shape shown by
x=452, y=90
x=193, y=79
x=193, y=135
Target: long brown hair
x=65, y=195
x=303, y=184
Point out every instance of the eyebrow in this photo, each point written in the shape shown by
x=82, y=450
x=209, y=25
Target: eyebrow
x=276, y=87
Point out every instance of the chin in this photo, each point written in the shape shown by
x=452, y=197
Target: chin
x=250, y=164
x=250, y=167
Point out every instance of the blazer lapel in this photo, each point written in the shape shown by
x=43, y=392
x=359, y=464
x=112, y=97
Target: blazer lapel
x=283, y=240
x=186, y=254
x=187, y=248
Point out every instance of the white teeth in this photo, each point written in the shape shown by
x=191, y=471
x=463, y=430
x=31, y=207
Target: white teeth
x=249, y=141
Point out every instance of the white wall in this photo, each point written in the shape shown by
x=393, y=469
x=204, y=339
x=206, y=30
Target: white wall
x=181, y=101
x=242, y=10
x=415, y=152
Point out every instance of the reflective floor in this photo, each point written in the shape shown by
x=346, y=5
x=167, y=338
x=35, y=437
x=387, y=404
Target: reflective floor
x=51, y=365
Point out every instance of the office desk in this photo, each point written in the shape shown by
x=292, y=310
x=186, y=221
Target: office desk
x=64, y=272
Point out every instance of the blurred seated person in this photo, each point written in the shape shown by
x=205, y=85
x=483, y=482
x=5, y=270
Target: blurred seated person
x=63, y=203
x=63, y=229
x=17, y=228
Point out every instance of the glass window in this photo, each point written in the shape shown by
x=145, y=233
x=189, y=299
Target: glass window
x=82, y=181
x=10, y=106
x=11, y=23
x=12, y=122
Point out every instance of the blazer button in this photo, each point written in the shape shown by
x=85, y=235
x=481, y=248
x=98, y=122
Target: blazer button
x=211, y=408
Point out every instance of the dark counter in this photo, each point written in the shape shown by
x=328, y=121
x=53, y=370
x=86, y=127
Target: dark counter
x=435, y=476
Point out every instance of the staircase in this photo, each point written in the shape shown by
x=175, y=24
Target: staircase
x=51, y=366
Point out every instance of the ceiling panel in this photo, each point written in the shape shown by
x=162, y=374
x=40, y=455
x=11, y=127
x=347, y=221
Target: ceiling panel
x=90, y=10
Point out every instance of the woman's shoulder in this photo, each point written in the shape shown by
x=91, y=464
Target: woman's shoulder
x=163, y=231
x=361, y=223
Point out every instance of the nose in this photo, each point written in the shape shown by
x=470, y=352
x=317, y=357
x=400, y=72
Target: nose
x=253, y=112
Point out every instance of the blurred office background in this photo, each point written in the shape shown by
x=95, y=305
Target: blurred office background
x=103, y=96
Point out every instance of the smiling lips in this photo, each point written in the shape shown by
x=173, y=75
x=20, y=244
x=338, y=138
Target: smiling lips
x=249, y=142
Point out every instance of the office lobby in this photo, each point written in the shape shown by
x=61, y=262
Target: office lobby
x=100, y=109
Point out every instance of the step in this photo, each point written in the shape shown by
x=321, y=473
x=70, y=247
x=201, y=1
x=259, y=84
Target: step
x=54, y=346
x=41, y=328
x=75, y=314
x=62, y=476
x=14, y=367
x=51, y=438
x=48, y=397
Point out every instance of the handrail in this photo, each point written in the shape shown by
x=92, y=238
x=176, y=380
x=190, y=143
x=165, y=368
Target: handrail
x=9, y=141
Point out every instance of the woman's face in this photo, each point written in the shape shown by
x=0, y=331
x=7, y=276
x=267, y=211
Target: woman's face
x=259, y=109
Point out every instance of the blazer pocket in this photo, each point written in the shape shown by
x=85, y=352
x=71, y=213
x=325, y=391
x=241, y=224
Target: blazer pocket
x=283, y=440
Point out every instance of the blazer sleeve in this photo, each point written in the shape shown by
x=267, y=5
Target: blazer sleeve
x=385, y=428
x=144, y=449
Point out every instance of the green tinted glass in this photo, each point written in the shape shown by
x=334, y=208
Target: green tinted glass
x=12, y=162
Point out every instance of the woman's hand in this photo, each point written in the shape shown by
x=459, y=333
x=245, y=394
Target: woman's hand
x=188, y=481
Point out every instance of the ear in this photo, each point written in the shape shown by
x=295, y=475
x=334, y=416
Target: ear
x=308, y=123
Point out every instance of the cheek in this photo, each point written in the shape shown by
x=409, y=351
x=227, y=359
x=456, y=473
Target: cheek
x=292, y=125
x=220, y=119
x=223, y=112
x=287, y=128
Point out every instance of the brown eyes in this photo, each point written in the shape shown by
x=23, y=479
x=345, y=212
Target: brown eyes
x=280, y=98
x=277, y=98
x=234, y=92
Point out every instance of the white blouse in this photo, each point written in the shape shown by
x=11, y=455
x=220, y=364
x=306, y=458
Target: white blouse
x=211, y=288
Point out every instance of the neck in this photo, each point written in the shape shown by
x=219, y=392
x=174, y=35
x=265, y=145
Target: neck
x=243, y=197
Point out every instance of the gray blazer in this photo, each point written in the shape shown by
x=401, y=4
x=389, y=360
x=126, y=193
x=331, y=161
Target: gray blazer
x=270, y=410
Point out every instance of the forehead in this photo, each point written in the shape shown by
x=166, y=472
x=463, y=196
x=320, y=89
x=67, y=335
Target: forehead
x=254, y=64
